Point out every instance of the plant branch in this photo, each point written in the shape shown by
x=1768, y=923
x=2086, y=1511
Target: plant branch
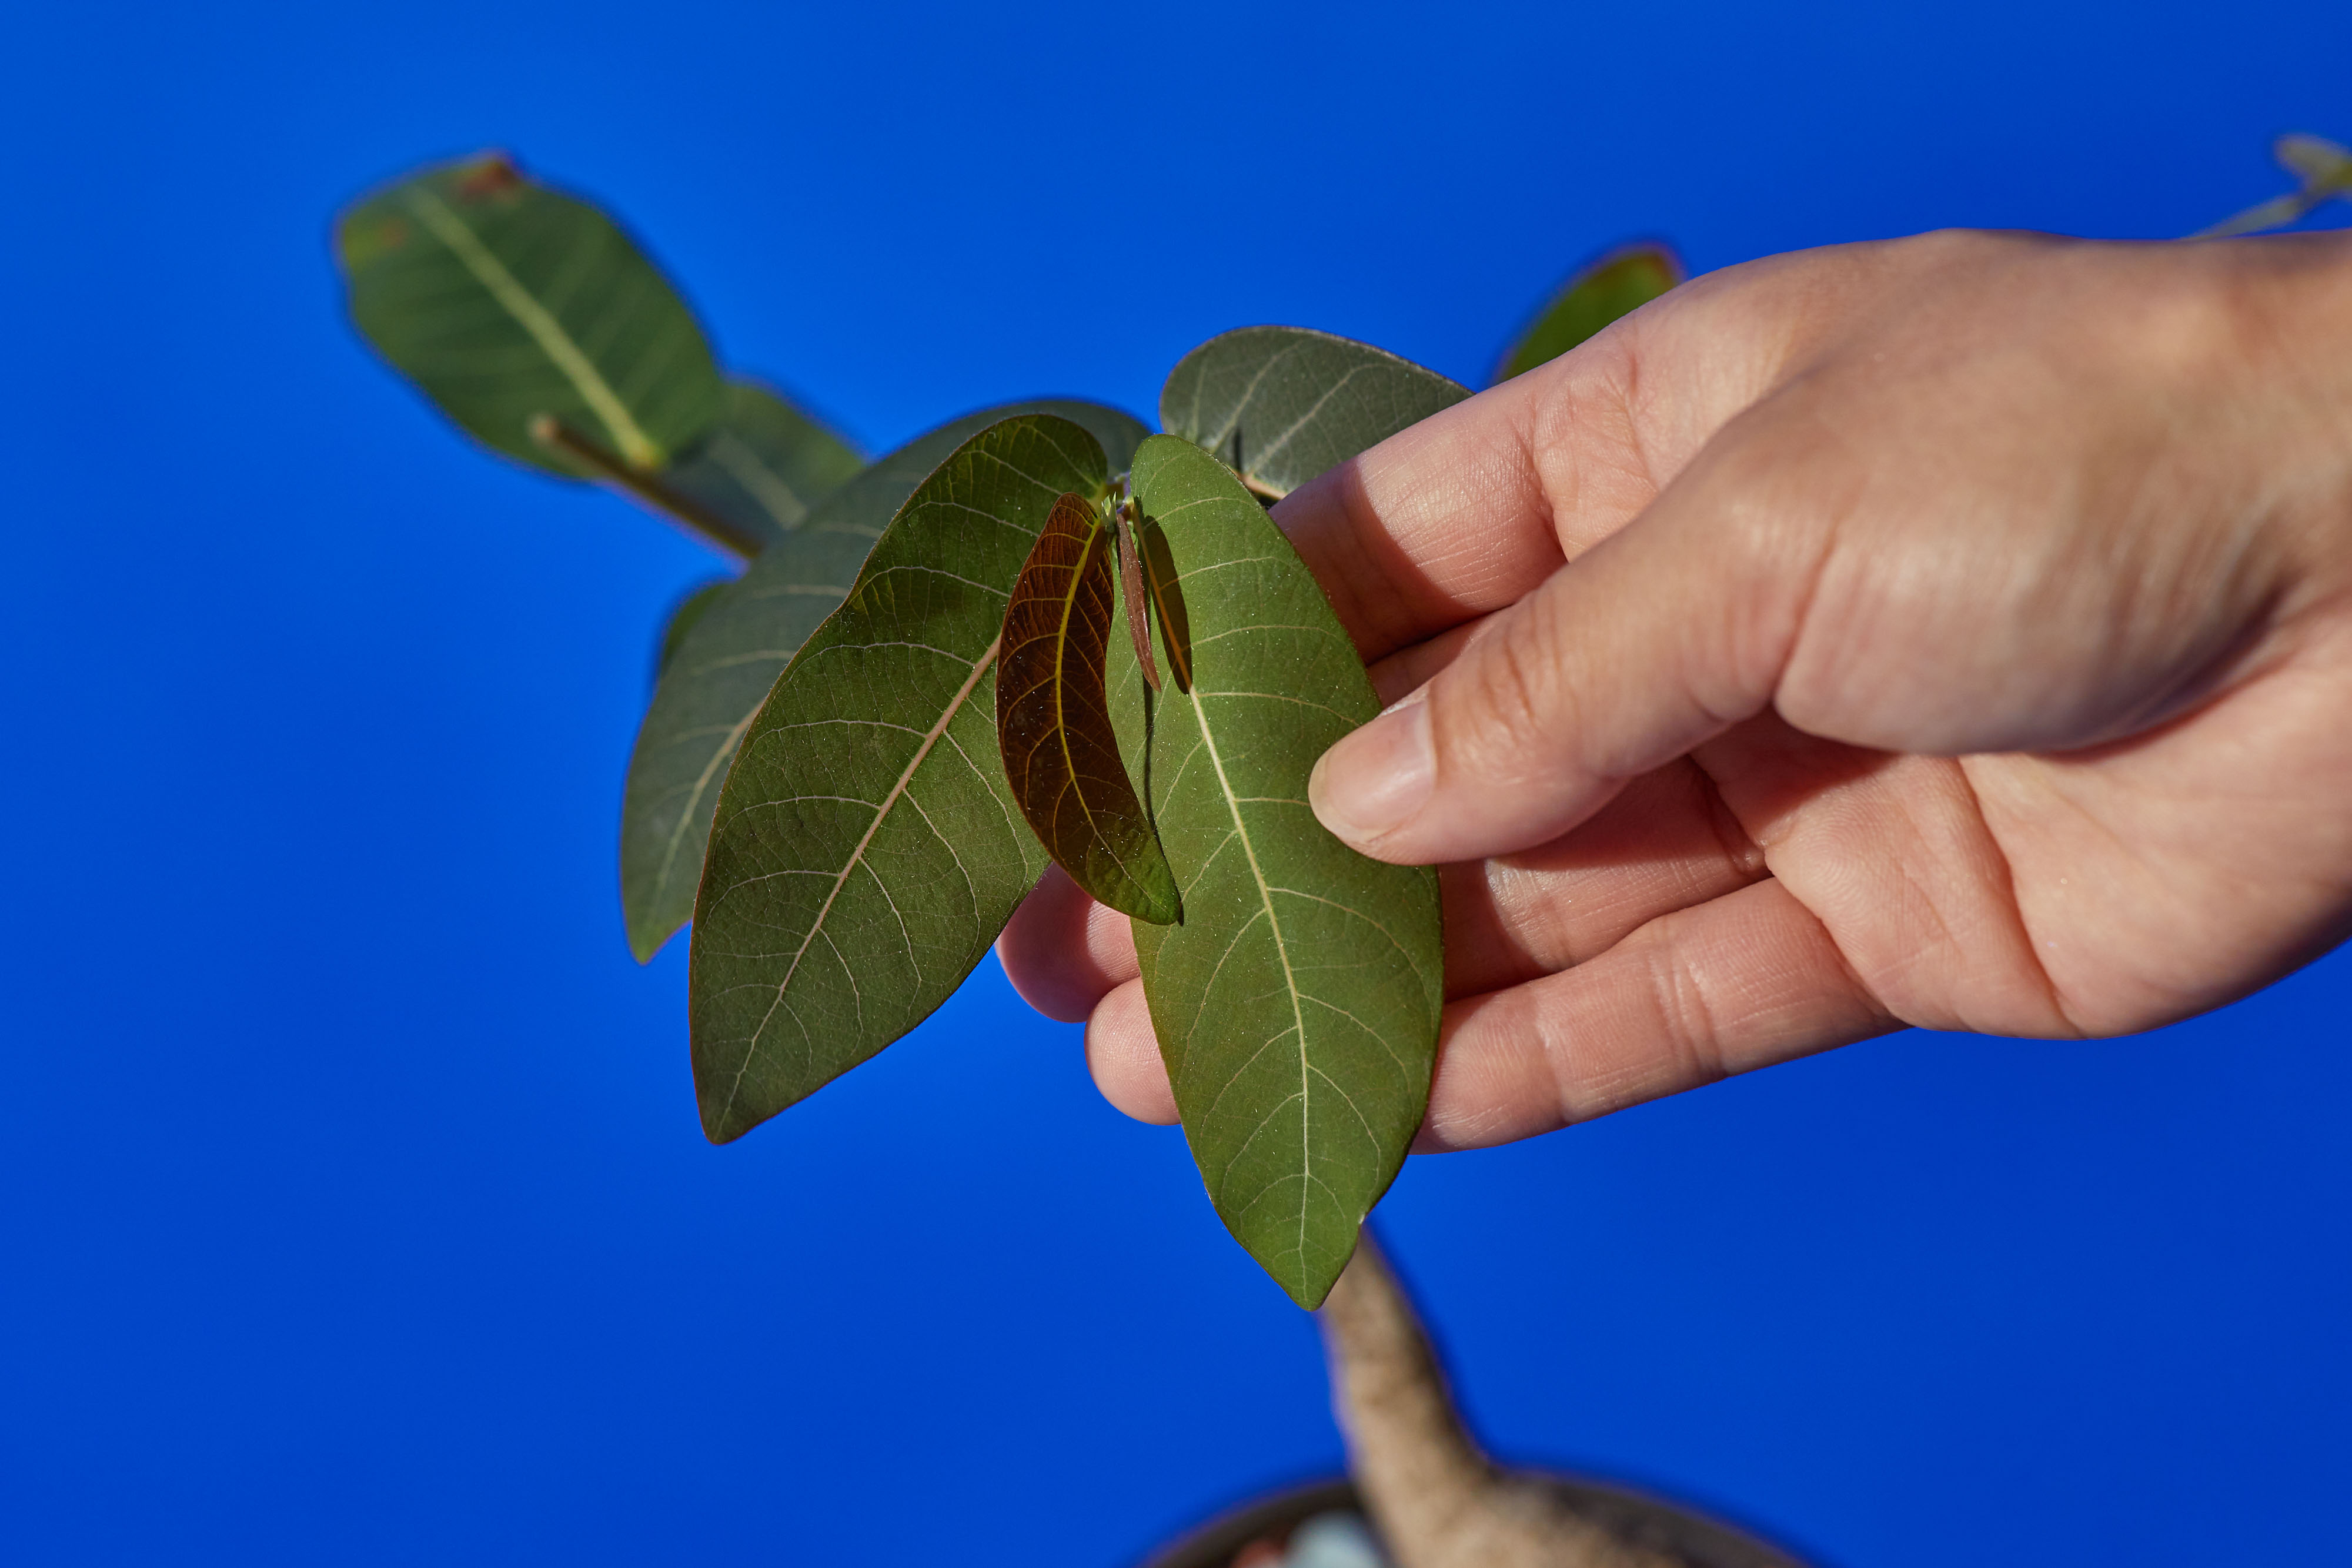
x=645, y=489
x=1438, y=1499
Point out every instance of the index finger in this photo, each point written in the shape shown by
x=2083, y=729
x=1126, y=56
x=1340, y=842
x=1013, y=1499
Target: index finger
x=1470, y=509
x=1439, y=523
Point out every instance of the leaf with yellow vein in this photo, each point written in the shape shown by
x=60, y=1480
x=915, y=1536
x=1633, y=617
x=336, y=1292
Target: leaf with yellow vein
x=1053, y=721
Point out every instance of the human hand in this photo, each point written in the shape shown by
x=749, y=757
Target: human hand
x=1952, y=631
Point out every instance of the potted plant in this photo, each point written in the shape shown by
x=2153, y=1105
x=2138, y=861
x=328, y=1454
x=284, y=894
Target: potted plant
x=1039, y=634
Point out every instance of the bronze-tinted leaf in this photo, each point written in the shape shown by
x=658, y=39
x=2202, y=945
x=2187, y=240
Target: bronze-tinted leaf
x=1167, y=602
x=1052, y=721
x=1135, y=598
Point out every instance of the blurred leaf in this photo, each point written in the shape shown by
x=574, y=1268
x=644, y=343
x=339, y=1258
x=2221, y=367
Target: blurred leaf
x=764, y=463
x=1298, y=1003
x=689, y=610
x=726, y=662
x=1617, y=284
x=504, y=300
x=1282, y=404
x=866, y=849
x=2313, y=160
x=1053, y=721
x=2325, y=171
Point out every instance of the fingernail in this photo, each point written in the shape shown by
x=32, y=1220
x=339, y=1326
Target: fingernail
x=1374, y=781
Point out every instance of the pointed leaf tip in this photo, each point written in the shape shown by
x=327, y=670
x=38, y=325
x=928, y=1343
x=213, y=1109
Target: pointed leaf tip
x=1297, y=1005
x=865, y=849
x=725, y=665
x=1053, y=726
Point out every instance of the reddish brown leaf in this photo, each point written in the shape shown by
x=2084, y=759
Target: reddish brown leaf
x=1134, y=600
x=1167, y=601
x=1052, y=720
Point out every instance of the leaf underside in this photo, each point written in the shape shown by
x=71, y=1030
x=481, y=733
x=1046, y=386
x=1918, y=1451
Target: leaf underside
x=1297, y=1004
x=764, y=463
x=682, y=618
x=1282, y=404
x=722, y=667
x=866, y=850
x=1617, y=284
x=504, y=300
x=1052, y=720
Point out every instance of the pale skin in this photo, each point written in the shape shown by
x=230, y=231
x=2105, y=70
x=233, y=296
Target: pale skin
x=1953, y=632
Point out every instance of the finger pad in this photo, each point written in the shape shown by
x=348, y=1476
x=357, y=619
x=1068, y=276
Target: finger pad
x=1123, y=1054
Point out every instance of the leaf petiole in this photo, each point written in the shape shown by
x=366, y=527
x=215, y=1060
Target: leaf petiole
x=739, y=542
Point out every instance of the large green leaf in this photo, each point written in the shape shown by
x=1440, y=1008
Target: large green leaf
x=764, y=463
x=720, y=671
x=505, y=301
x=1296, y=1005
x=1617, y=284
x=1053, y=718
x=866, y=850
x=1282, y=404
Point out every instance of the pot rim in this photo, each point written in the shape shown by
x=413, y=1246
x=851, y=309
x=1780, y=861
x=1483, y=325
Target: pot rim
x=1628, y=1513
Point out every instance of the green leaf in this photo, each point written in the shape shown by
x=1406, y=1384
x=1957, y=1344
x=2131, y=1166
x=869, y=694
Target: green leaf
x=764, y=463
x=2325, y=170
x=1052, y=720
x=1617, y=284
x=1282, y=404
x=721, y=672
x=2315, y=159
x=689, y=610
x=504, y=301
x=1297, y=1004
x=866, y=849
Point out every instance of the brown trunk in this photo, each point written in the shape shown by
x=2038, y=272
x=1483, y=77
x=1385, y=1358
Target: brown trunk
x=1438, y=1500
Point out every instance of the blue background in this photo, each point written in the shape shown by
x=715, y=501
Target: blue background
x=353, y=1207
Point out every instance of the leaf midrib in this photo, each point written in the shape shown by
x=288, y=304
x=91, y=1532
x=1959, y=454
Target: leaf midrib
x=857, y=858
x=1257, y=464
x=1061, y=685
x=748, y=468
x=1282, y=951
x=1234, y=417
x=535, y=318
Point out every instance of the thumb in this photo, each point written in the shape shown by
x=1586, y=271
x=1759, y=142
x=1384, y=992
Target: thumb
x=1655, y=640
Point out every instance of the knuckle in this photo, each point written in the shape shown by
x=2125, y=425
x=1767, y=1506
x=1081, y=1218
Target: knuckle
x=1688, y=1032
x=1509, y=702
